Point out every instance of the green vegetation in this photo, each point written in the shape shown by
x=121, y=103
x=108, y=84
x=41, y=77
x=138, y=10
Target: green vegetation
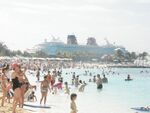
x=120, y=56
x=4, y=51
x=77, y=56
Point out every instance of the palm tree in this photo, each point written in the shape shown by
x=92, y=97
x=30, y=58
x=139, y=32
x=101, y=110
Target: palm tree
x=143, y=57
x=134, y=56
x=4, y=51
x=119, y=55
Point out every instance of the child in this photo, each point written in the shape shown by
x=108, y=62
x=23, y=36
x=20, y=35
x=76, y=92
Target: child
x=9, y=90
x=67, y=91
x=72, y=81
x=73, y=104
x=59, y=84
x=82, y=86
x=32, y=97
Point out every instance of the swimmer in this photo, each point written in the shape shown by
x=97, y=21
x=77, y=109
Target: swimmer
x=76, y=81
x=82, y=86
x=94, y=79
x=90, y=80
x=67, y=91
x=73, y=81
x=105, y=80
x=99, y=82
x=128, y=77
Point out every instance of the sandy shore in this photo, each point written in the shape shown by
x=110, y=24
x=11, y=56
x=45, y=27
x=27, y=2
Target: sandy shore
x=8, y=108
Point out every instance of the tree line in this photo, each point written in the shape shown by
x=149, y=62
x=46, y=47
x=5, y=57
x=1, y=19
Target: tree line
x=4, y=51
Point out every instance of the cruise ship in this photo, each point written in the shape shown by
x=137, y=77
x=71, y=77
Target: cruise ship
x=55, y=48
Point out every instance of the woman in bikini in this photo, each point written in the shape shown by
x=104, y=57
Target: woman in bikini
x=22, y=80
x=44, y=89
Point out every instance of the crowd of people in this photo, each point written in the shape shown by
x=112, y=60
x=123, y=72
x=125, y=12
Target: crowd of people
x=15, y=85
x=16, y=88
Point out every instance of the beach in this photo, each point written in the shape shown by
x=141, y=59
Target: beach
x=118, y=95
x=8, y=108
x=74, y=56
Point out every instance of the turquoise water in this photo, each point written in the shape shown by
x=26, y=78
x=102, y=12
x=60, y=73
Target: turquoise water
x=117, y=96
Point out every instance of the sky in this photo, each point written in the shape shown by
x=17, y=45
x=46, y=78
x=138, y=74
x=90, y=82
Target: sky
x=25, y=23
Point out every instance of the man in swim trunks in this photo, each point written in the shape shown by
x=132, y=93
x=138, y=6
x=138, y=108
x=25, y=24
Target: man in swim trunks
x=105, y=80
x=99, y=82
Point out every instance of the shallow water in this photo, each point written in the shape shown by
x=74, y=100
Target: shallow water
x=117, y=96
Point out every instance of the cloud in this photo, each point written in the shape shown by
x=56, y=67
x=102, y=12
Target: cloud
x=45, y=8
x=129, y=7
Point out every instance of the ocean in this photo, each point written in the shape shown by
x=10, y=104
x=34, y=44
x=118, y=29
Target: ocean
x=118, y=96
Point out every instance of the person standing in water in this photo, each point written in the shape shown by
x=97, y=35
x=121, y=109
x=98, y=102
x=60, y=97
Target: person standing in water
x=128, y=77
x=77, y=81
x=44, y=89
x=67, y=91
x=81, y=86
x=94, y=79
x=73, y=106
x=105, y=80
x=99, y=82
